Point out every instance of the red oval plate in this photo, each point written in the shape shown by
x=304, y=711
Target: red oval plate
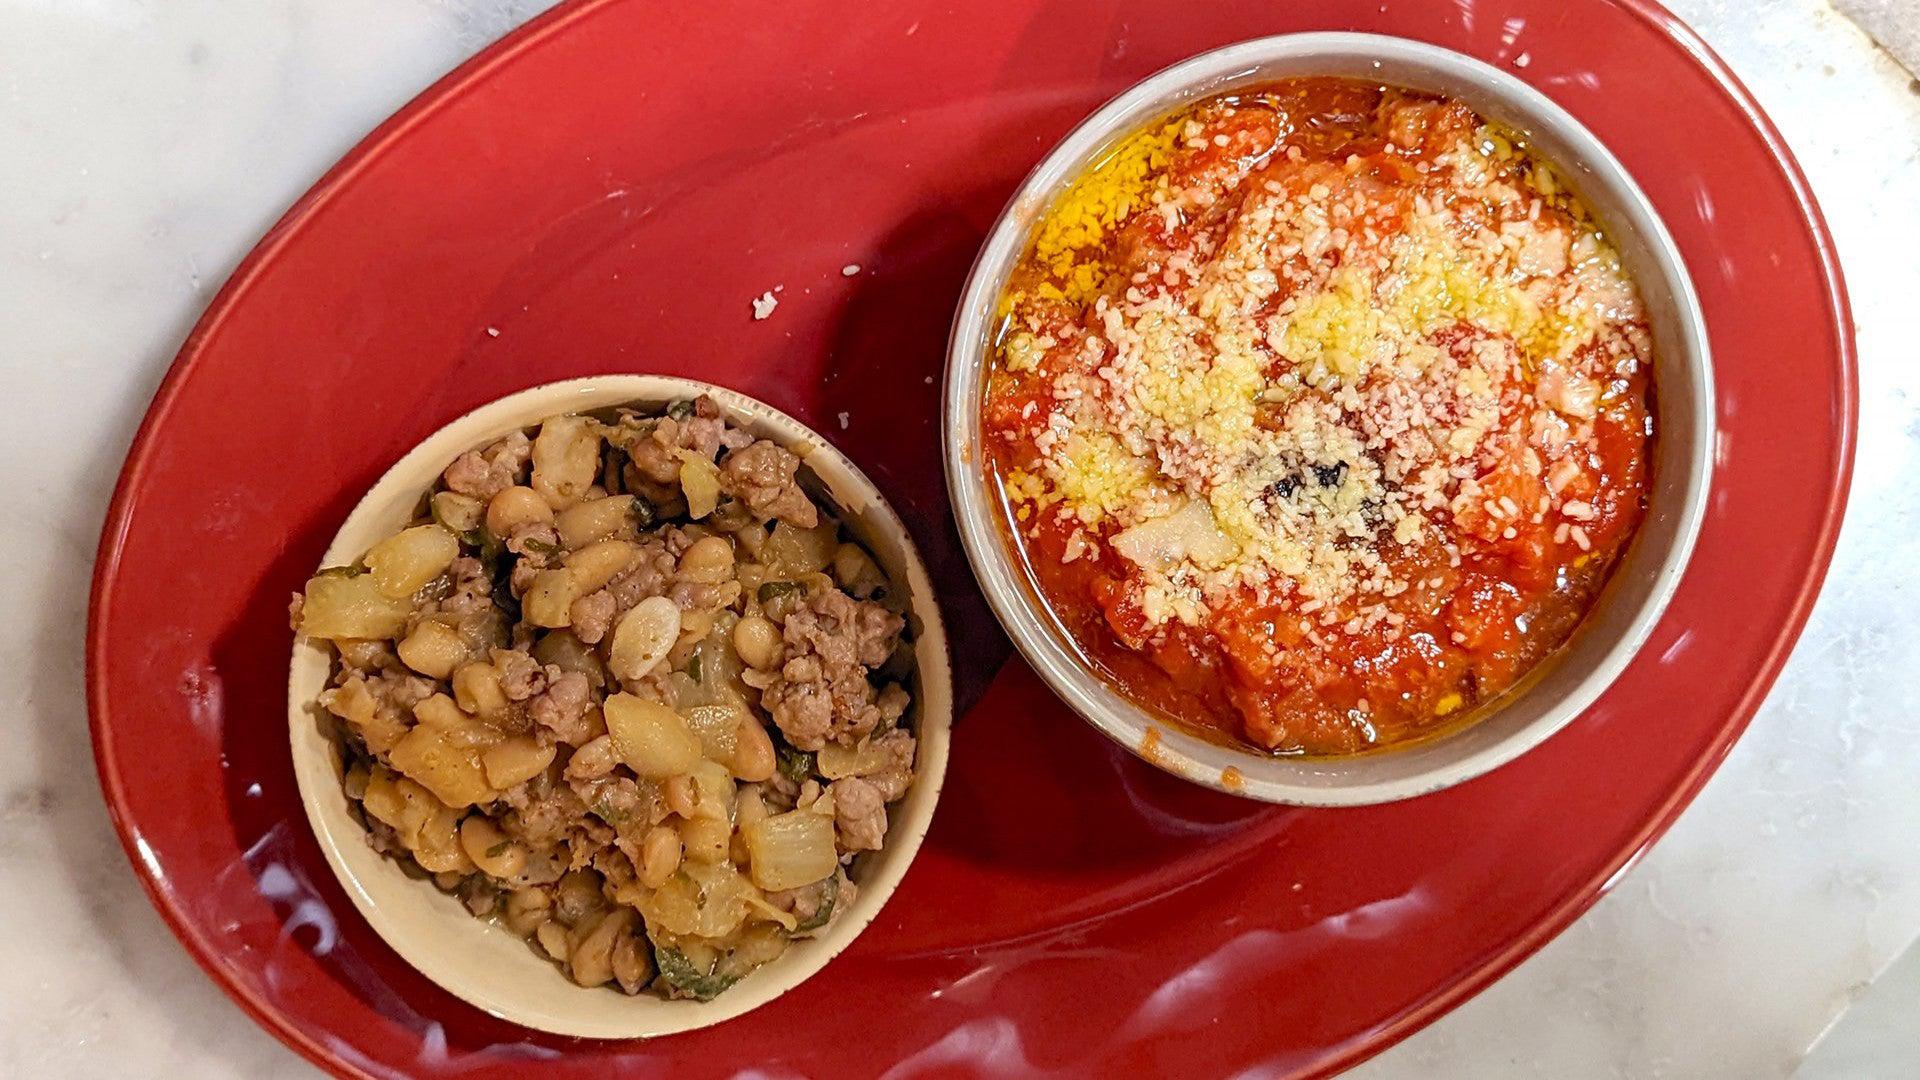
x=606, y=190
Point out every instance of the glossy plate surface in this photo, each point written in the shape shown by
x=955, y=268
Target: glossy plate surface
x=605, y=191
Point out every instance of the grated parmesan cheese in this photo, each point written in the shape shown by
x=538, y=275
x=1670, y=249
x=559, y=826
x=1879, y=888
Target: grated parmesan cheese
x=1324, y=380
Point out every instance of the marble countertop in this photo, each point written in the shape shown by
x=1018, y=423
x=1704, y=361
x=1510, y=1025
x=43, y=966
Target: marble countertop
x=144, y=146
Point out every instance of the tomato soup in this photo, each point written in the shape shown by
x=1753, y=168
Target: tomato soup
x=1321, y=413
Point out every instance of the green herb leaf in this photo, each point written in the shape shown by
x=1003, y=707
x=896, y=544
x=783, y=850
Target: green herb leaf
x=694, y=665
x=831, y=888
x=603, y=809
x=499, y=849
x=644, y=512
x=486, y=546
x=540, y=547
x=352, y=569
x=680, y=410
x=504, y=599
x=689, y=980
x=795, y=765
x=769, y=590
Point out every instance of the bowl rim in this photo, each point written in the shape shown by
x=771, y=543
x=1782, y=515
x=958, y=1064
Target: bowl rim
x=1029, y=621
x=316, y=773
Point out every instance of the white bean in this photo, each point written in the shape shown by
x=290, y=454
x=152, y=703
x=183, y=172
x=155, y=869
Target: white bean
x=651, y=738
x=553, y=938
x=460, y=513
x=644, y=637
x=410, y=558
x=753, y=756
x=490, y=849
x=757, y=641
x=514, y=507
x=710, y=559
x=600, y=562
x=527, y=909
x=659, y=856
x=549, y=599
x=434, y=649
x=476, y=687
x=596, y=520
x=566, y=459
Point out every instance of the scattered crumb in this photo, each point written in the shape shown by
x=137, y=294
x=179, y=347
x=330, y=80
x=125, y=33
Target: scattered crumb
x=844, y=419
x=911, y=30
x=764, y=304
x=850, y=269
x=493, y=331
x=1523, y=60
x=928, y=380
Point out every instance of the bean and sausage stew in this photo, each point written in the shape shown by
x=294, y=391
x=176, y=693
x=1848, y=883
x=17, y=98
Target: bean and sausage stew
x=626, y=688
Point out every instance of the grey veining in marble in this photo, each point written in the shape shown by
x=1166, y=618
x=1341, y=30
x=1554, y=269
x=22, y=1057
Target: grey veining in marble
x=145, y=144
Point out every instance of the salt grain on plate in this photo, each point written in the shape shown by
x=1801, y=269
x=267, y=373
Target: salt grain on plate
x=844, y=418
x=764, y=304
x=850, y=269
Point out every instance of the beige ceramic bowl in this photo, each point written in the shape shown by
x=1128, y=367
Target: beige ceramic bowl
x=490, y=966
x=1560, y=689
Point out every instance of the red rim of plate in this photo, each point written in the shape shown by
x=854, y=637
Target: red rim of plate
x=1571, y=906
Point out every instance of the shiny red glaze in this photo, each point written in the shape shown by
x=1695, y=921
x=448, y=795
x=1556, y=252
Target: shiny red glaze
x=608, y=189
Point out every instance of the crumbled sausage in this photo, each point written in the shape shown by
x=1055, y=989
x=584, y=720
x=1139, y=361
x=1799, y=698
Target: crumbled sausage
x=394, y=688
x=803, y=903
x=543, y=814
x=801, y=703
x=523, y=573
x=591, y=616
x=696, y=595
x=521, y=676
x=482, y=474
x=559, y=806
x=534, y=541
x=843, y=630
x=562, y=707
x=703, y=433
x=892, y=702
x=860, y=811
x=762, y=476
x=822, y=693
x=366, y=655
x=892, y=780
x=615, y=800
x=646, y=576
x=471, y=591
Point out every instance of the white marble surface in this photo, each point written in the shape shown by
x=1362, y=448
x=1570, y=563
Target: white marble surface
x=144, y=145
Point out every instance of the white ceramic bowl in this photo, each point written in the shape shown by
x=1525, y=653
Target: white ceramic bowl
x=490, y=966
x=1560, y=689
